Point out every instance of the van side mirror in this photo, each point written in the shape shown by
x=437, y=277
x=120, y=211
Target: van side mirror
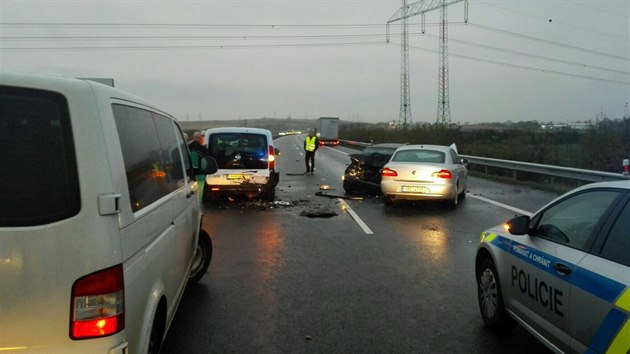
x=518, y=226
x=207, y=166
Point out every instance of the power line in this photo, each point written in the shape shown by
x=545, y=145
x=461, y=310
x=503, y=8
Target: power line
x=226, y=37
x=192, y=25
x=556, y=21
x=166, y=47
x=546, y=41
x=598, y=9
x=291, y=37
x=530, y=68
x=177, y=25
x=264, y=37
x=510, y=51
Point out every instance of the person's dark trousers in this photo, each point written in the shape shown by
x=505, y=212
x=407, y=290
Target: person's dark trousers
x=310, y=157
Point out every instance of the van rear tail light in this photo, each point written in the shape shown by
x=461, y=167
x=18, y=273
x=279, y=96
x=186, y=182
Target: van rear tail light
x=272, y=158
x=98, y=304
x=446, y=174
x=388, y=172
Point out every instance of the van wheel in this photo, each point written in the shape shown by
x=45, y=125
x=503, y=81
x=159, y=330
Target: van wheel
x=491, y=298
x=157, y=335
x=203, y=255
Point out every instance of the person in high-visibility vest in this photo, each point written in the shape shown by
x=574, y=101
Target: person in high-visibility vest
x=311, y=144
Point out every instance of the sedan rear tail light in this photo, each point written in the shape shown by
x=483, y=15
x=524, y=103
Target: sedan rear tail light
x=446, y=174
x=272, y=158
x=388, y=172
x=98, y=304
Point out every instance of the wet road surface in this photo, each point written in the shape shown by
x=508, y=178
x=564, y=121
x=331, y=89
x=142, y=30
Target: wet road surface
x=283, y=282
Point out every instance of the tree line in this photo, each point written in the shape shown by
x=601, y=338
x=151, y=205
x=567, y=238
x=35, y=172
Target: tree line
x=601, y=146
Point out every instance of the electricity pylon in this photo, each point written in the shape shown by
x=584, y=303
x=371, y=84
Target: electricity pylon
x=420, y=8
x=405, y=103
x=444, y=105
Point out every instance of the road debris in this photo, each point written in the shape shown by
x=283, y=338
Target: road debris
x=318, y=213
x=342, y=196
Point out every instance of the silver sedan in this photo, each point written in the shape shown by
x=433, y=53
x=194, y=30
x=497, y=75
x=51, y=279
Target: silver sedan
x=425, y=172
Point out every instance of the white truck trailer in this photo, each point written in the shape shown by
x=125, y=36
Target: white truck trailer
x=328, y=130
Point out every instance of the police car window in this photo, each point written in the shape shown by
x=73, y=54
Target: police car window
x=572, y=221
x=617, y=246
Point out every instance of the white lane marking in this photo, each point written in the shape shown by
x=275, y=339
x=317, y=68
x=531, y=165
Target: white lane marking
x=356, y=217
x=341, y=152
x=505, y=206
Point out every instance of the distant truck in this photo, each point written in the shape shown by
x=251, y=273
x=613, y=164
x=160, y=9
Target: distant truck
x=328, y=130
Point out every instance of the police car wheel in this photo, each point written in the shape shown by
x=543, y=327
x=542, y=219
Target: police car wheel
x=491, y=299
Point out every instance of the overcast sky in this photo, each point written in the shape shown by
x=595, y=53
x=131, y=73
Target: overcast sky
x=515, y=60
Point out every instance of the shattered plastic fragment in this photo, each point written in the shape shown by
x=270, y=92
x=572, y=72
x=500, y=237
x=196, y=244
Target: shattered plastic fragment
x=318, y=213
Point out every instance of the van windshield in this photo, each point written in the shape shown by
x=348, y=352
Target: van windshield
x=239, y=150
x=38, y=177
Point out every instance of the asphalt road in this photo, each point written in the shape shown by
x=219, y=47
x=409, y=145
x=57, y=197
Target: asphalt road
x=283, y=282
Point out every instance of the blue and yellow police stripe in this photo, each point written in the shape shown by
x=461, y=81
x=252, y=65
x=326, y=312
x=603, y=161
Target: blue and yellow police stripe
x=613, y=335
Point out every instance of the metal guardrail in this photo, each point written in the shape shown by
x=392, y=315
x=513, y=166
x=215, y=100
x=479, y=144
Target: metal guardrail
x=548, y=170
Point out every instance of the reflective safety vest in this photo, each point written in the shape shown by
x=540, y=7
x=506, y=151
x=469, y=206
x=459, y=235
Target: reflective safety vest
x=310, y=143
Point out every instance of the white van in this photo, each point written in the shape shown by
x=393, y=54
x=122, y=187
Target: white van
x=99, y=223
x=247, y=164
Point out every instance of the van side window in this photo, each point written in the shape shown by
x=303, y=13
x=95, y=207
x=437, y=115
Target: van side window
x=35, y=141
x=183, y=147
x=146, y=177
x=617, y=246
x=170, y=155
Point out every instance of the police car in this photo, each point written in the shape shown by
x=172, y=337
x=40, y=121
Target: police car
x=563, y=273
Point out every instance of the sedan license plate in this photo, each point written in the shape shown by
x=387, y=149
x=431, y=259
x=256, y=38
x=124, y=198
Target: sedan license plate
x=413, y=189
x=238, y=176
